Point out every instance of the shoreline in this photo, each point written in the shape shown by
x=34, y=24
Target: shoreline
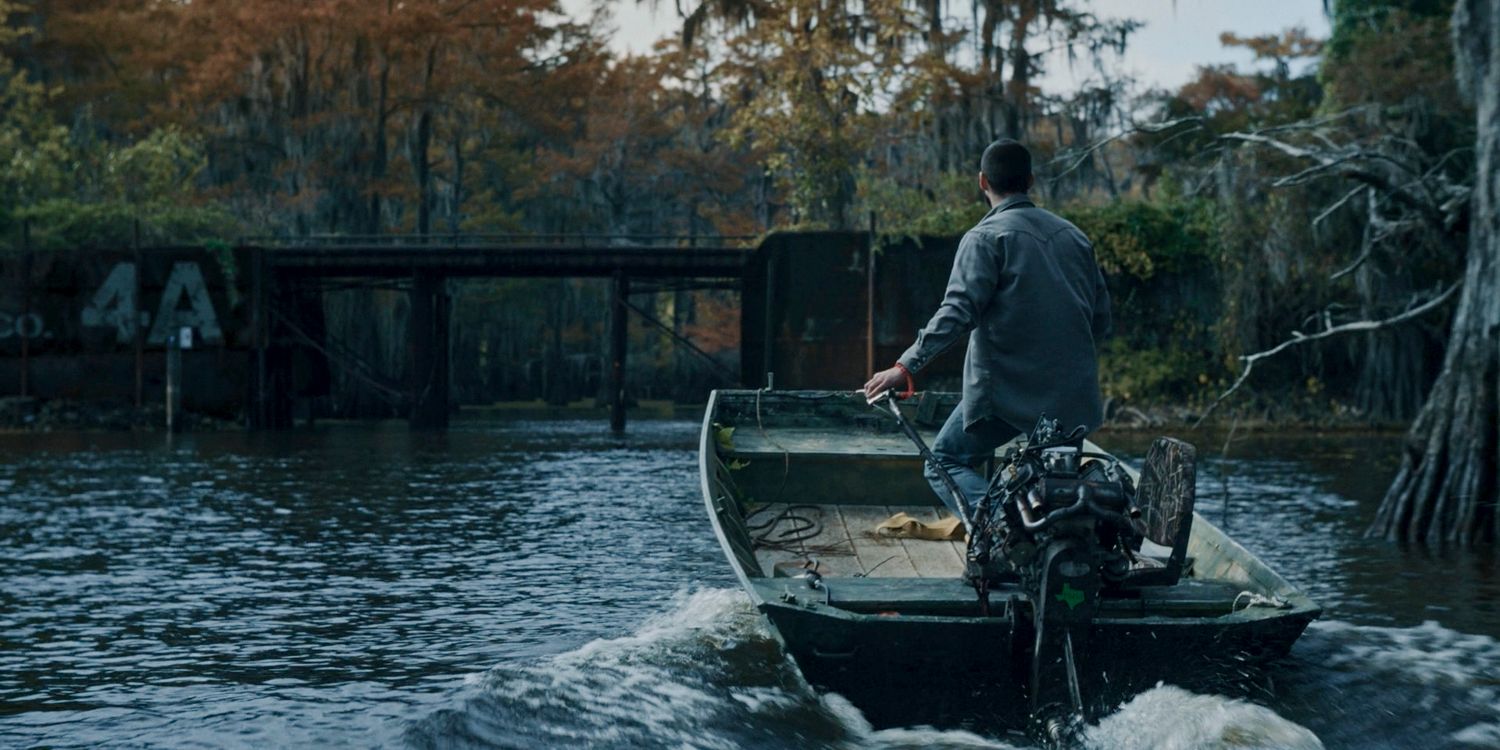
x=31, y=414
x=1245, y=420
x=20, y=414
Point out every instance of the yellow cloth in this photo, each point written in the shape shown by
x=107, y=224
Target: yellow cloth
x=946, y=529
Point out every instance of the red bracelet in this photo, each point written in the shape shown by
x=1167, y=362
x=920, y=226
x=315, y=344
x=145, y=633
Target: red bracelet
x=911, y=386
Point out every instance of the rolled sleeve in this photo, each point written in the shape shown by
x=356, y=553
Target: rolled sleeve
x=971, y=287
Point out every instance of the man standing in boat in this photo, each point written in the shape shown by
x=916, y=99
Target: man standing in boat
x=1027, y=290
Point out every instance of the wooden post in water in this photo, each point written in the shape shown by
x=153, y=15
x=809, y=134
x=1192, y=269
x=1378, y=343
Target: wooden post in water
x=618, y=339
x=174, y=380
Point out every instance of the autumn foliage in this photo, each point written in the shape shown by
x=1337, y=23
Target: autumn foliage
x=220, y=118
x=428, y=116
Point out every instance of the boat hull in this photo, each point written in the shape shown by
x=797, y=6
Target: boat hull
x=893, y=626
x=952, y=669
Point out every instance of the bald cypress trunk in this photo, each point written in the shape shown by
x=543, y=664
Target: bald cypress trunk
x=1445, y=490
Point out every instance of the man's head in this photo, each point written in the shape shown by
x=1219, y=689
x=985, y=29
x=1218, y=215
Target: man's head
x=1005, y=169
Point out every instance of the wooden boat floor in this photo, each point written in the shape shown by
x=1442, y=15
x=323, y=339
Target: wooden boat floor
x=846, y=545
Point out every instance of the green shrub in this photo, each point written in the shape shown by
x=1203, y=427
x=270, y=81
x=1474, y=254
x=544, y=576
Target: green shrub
x=1130, y=374
x=62, y=223
x=948, y=209
x=1143, y=238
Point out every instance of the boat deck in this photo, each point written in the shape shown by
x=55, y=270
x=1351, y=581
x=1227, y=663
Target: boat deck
x=845, y=543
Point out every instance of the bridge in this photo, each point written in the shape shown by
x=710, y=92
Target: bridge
x=280, y=265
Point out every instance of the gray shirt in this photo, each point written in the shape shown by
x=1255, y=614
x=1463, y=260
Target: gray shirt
x=1027, y=290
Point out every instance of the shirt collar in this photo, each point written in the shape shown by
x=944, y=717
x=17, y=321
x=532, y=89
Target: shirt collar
x=1011, y=201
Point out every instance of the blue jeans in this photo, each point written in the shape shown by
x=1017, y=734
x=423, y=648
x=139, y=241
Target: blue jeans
x=960, y=451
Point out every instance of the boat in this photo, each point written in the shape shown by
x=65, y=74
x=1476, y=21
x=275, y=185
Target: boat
x=798, y=485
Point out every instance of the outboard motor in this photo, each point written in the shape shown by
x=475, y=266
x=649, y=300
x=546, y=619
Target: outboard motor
x=1064, y=522
x=1060, y=519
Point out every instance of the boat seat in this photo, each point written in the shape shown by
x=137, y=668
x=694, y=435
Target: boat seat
x=1165, y=495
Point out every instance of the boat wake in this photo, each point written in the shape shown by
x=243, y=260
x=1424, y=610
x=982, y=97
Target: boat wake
x=706, y=673
x=1424, y=686
x=1170, y=718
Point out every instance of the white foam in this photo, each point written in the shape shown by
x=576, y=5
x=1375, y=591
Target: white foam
x=1479, y=735
x=718, y=615
x=927, y=737
x=1428, y=653
x=1170, y=718
x=864, y=736
x=765, y=699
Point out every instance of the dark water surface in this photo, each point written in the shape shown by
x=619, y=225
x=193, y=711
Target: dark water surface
x=541, y=584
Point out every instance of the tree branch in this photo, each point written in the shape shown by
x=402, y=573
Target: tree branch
x=1341, y=166
x=1319, y=219
x=1156, y=127
x=1299, y=338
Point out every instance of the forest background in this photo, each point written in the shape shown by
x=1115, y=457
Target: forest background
x=1224, y=212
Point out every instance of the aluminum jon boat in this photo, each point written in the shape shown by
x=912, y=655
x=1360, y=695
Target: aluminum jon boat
x=804, y=488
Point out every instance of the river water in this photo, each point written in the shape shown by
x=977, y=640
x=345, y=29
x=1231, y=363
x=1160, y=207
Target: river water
x=542, y=584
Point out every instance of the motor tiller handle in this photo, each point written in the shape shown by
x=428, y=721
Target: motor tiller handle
x=886, y=401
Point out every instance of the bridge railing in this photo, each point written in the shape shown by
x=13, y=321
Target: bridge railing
x=480, y=241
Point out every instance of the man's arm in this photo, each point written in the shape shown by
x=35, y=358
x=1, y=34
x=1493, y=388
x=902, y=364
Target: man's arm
x=971, y=285
x=1103, y=323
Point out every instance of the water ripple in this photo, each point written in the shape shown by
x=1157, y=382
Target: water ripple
x=541, y=584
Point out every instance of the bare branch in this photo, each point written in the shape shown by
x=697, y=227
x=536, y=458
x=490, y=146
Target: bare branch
x=1354, y=265
x=1338, y=204
x=1341, y=166
x=1367, y=242
x=1155, y=127
x=1318, y=122
x=1298, y=338
x=1312, y=172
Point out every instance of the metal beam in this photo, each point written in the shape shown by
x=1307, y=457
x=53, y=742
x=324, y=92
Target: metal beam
x=390, y=261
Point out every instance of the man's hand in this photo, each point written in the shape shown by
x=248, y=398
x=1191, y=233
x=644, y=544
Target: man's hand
x=884, y=381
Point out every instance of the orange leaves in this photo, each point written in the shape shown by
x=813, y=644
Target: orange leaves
x=371, y=105
x=716, y=324
x=1269, y=91
x=1293, y=43
x=643, y=152
x=378, y=115
x=1218, y=88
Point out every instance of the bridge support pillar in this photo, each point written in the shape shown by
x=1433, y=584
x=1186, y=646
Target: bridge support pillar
x=618, y=340
x=258, y=415
x=271, y=378
x=430, y=310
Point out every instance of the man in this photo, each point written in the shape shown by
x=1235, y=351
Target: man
x=1026, y=289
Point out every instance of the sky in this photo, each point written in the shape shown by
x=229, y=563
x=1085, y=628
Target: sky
x=1179, y=34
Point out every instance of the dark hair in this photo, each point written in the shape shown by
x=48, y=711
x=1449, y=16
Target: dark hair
x=1006, y=165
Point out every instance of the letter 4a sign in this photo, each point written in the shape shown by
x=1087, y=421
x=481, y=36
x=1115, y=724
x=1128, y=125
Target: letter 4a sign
x=114, y=304
x=185, y=285
x=184, y=303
